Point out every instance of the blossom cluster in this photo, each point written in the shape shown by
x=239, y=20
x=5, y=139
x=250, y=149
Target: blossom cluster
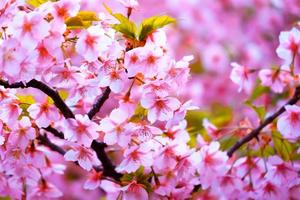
x=88, y=91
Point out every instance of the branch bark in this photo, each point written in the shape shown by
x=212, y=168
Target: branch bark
x=99, y=148
x=44, y=140
x=254, y=133
x=108, y=167
x=53, y=94
x=99, y=103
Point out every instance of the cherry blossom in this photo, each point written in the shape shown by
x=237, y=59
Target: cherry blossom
x=85, y=157
x=10, y=112
x=45, y=190
x=99, y=100
x=288, y=124
x=92, y=43
x=146, y=60
x=112, y=76
x=93, y=181
x=43, y=113
x=210, y=162
x=81, y=130
x=276, y=79
x=289, y=41
x=129, y=3
x=134, y=191
x=240, y=75
x=31, y=27
x=21, y=135
x=115, y=128
x=160, y=108
x=135, y=157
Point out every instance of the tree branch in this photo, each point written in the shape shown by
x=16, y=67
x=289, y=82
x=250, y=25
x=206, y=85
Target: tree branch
x=55, y=132
x=254, y=133
x=99, y=148
x=99, y=103
x=59, y=103
x=108, y=167
x=44, y=140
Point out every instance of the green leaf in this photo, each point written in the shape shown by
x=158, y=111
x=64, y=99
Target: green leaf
x=36, y=3
x=139, y=114
x=227, y=142
x=282, y=147
x=260, y=110
x=258, y=91
x=4, y=198
x=126, y=26
x=88, y=15
x=151, y=24
x=108, y=9
x=82, y=20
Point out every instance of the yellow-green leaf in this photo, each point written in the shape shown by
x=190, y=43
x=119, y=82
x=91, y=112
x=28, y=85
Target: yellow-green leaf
x=151, y=24
x=36, y=3
x=139, y=114
x=282, y=147
x=88, y=15
x=260, y=110
x=108, y=9
x=82, y=20
x=126, y=26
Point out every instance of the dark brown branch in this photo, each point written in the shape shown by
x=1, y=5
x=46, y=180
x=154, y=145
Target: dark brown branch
x=55, y=132
x=99, y=103
x=99, y=148
x=44, y=140
x=254, y=133
x=59, y=103
x=108, y=167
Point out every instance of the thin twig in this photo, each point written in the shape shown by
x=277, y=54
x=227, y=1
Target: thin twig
x=53, y=94
x=108, y=167
x=254, y=133
x=99, y=103
x=44, y=140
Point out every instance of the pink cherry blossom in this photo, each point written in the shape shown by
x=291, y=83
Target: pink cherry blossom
x=135, y=157
x=43, y=113
x=129, y=3
x=240, y=75
x=289, y=42
x=281, y=172
x=93, y=181
x=65, y=8
x=31, y=27
x=289, y=123
x=65, y=76
x=92, y=43
x=210, y=162
x=144, y=132
x=81, y=130
x=22, y=134
x=10, y=112
x=45, y=190
x=113, y=76
x=85, y=157
x=115, y=128
x=276, y=79
x=166, y=158
x=211, y=129
x=146, y=60
x=134, y=191
x=160, y=108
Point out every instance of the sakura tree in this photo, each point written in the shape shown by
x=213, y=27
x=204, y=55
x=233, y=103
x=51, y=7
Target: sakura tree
x=92, y=106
